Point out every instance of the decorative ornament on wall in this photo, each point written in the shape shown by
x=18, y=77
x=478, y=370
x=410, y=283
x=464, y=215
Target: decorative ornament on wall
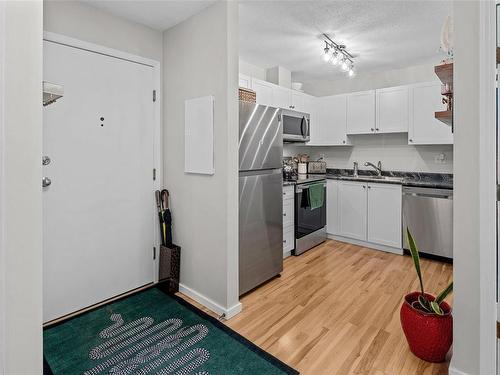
x=337, y=54
x=447, y=39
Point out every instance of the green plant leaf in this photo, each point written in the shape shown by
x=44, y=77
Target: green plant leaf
x=436, y=309
x=415, y=257
x=440, y=298
x=424, y=302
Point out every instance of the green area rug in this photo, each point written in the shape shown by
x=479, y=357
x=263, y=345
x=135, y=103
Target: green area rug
x=152, y=332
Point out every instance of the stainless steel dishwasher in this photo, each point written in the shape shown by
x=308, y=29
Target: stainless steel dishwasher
x=428, y=212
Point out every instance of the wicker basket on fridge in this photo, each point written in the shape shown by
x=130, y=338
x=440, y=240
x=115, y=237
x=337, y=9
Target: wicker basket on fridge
x=247, y=95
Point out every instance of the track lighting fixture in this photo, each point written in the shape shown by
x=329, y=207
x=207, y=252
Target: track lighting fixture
x=335, y=53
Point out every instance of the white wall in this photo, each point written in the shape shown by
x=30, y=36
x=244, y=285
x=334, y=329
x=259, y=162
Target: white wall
x=204, y=208
x=474, y=267
x=21, y=205
x=373, y=80
x=84, y=22
x=252, y=70
x=391, y=149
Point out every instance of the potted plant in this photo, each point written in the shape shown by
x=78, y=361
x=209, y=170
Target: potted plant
x=426, y=320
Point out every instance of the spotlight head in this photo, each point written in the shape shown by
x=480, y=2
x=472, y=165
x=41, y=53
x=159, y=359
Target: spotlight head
x=326, y=55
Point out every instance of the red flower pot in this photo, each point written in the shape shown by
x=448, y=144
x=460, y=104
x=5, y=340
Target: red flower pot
x=429, y=336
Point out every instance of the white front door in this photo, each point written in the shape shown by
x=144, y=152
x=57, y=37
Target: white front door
x=98, y=212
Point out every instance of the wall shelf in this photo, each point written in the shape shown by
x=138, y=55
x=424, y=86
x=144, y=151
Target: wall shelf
x=444, y=72
x=445, y=116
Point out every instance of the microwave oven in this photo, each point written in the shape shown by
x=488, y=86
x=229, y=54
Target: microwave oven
x=296, y=126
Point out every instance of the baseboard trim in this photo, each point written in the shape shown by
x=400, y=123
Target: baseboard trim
x=454, y=371
x=209, y=304
x=369, y=245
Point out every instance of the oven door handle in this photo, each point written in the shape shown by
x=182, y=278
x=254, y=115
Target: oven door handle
x=302, y=188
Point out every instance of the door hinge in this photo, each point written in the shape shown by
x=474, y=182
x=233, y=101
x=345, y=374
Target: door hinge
x=154, y=95
x=154, y=174
x=154, y=253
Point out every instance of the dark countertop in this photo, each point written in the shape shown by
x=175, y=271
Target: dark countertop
x=418, y=179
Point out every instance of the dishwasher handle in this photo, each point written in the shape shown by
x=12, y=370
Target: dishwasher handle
x=432, y=193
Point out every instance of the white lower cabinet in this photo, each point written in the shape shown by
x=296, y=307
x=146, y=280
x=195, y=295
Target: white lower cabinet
x=352, y=209
x=288, y=219
x=332, y=212
x=366, y=212
x=384, y=214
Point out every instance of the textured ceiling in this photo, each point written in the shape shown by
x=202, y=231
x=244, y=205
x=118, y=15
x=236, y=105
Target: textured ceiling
x=383, y=35
x=159, y=15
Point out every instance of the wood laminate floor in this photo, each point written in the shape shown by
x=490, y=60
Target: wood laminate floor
x=335, y=310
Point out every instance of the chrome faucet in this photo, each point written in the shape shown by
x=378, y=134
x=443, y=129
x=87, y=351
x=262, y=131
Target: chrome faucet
x=377, y=167
x=355, y=171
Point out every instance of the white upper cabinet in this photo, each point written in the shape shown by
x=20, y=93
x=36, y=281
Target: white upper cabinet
x=298, y=101
x=393, y=113
x=352, y=202
x=398, y=109
x=328, y=124
x=384, y=214
x=245, y=81
x=361, y=112
x=263, y=91
x=424, y=129
x=281, y=97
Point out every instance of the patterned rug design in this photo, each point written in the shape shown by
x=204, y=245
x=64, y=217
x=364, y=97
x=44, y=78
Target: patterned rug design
x=152, y=333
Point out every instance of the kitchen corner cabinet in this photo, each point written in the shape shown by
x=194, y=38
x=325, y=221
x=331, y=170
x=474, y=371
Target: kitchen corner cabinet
x=366, y=212
x=392, y=109
x=329, y=121
x=361, y=112
x=288, y=219
x=424, y=129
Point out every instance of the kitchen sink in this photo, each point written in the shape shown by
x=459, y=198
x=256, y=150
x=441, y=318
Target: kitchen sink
x=374, y=178
x=386, y=178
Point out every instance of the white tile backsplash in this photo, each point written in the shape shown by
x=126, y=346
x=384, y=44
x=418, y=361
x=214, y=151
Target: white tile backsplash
x=391, y=149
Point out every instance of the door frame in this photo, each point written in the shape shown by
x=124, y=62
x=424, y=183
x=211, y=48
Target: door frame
x=2, y=191
x=487, y=197
x=157, y=145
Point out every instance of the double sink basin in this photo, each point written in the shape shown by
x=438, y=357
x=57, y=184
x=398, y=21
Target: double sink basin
x=373, y=178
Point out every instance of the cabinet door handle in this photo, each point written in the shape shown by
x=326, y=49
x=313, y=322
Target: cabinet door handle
x=369, y=187
x=377, y=129
x=372, y=129
x=284, y=213
x=284, y=241
x=411, y=140
x=364, y=187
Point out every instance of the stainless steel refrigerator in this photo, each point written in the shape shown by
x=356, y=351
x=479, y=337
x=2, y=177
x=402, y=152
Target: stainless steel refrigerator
x=260, y=195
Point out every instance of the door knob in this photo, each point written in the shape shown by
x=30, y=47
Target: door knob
x=46, y=182
x=45, y=160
